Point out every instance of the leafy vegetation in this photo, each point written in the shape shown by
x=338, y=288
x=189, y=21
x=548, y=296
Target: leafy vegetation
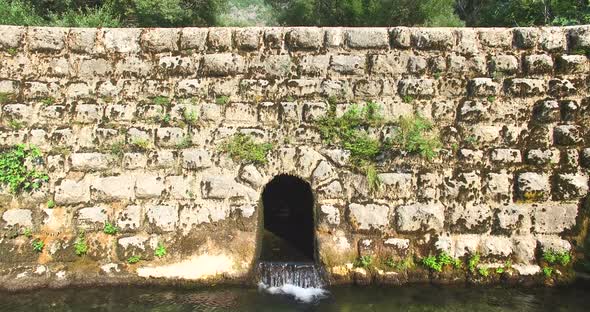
x=5, y=97
x=547, y=271
x=401, y=265
x=417, y=135
x=14, y=170
x=141, y=144
x=50, y=203
x=110, y=228
x=484, y=271
x=162, y=101
x=28, y=233
x=243, y=148
x=179, y=13
x=437, y=263
x=363, y=261
x=80, y=246
x=473, y=262
x=553, y=257
x=160, y=251
x=222, y=100
x=133, y=259
x=118, y=149
x=38, y=245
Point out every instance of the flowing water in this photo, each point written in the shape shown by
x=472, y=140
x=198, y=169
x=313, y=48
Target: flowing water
x=303, y=281
x=342, y=299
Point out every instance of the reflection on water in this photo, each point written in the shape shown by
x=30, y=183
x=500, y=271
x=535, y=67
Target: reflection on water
x=345, y=299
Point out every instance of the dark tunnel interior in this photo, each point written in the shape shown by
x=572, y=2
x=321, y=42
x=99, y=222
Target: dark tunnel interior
x=288, y=220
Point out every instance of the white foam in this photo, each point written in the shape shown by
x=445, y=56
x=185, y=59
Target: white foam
x=299, y=293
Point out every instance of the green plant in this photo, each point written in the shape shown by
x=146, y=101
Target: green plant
x=186, y=142
x=507, y=266
x=80, y=246
x=15, y=124
x=408, y=99
x=373, y=180
x=162, y=101
x=110, y=228
x=432, y=263
x=12, y=51
x=547, y=271
x=117, y=149
x=473, y=262
x=552, y=257
x=363, y=261
x=15, y=172
x=190, y=116
x=436, y=75
x=491, y=99
x=160, y=251
x=416, y=134
x=133, y=259
x=242, y=147
x=472, y=140
x=50, y=203
x=5, y=97
x=48, y=101
x=28, y=233
x=437, y=263
x=222, y=100
x=38, y=245
x=141, y=144
x=484, y=271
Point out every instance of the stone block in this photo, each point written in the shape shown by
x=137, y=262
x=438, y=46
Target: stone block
x=420, y=217
x=122, y=40
x=82, y=40
x=552, y=39
x=196, y=159
x=526, y=38
x=566, y=135
x=114, y=188
x=305, y=38
x=348, y=64
x=330, y=215
x=482, y=87
x=370, y=216
x=524, y=87
x=273, y=37
x=533, y=186
x=88, y=113
x=570, y=186
x=506, y=64
x=554, y=217
x=367, y=38
x=177, y=65
x=224, y=64
x=417, y=87
x=514, y=218
x=162, y=218
x=524, y=248
x=572, y=64
x=241, y=113
x=91, y=218
x=158, y=40
x=47, y=38
x=11, y=36
x=72, y=192
x=169, y=136
x=313, y=111
x=149, y=186
x=579, y=37
x=91, y=161
x=433, y=38
x=314, y=65
x=394, y=63
x=538, y=64
x=396, y=185
x=553, y=243
x=133, y=67
x=138, y=245
x=546, y=111
x=225, y=187
x=561, y=88
x=542, y=157
x=496, y=37
x=496, y=246
x=248, y=38
x=130, y=218
x=194, y=38
x=219, y=39
x=18, y=217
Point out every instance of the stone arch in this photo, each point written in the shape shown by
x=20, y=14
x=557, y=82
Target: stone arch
x=288, y=222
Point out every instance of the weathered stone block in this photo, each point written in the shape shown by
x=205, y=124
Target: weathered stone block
x=496, y=38
x=546, y=111
x=552, y=39
x=313, y=111
x=396, y=185
x=483, y=87
x=304, y=38
x=585, y=159
x=394, y=63
x=553, y=243
x=572, y=64
x=88, y=113
x=367, y=38
x=420, y=217
x=507, y=64
x=570, y=186
x=219, y=39
x=417, y=87
x=222, y=64
x=496, y=246
x=224, y=187
x=133, y=67
x=241, y=113
x=194, y=38
x=196, y=159
x=18, y=217
x=130, y=218
x=273, y=37
x=162, y=218
x=579, y=38
x=149, y=186
x=91, y=218
x=47, y=38
x=314, y=65
x=524, y=87
x=467, y=41
x=179, y=65
x=526, y=38
x=274, y=66
x=554, y=217
x=513, y=218
x=114, y=188
x=91, y=161
x=348, y=64
x=566, y=135
x=561, y=87
x=370, y=216
x=533, y=186
x=474, y=111
x=542, y=157
x=139, y=245
x=160, y=39
x=82, y=40
x=432, y=39
x=169, y=136
x=72, y=192
x=248, y=38
x=538, y=64
x=122, y=40
x=524, y=248
x=11, y=36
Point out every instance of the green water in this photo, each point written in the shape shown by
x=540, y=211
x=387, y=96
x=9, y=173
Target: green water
x=353, y=299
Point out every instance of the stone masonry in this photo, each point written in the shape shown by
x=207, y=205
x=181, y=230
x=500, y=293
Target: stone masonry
x=108, y=108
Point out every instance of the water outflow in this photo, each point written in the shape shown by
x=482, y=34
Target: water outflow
x=277, y=274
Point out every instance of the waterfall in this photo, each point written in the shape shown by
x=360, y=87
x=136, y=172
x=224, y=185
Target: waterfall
x=303, y=280
x=277, y=274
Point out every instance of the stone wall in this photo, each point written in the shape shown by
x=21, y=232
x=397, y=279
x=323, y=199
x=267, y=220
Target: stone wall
x=108, y=107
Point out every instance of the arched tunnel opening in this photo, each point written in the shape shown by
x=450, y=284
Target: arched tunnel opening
x=289, y=231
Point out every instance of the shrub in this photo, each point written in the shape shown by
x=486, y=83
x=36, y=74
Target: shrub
x=18, y=12
x=80, y=246
x=417, y=135
x=243, y=148
x=103, y=16
x=363, y=261
x=15, y=172
x=110, y=228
